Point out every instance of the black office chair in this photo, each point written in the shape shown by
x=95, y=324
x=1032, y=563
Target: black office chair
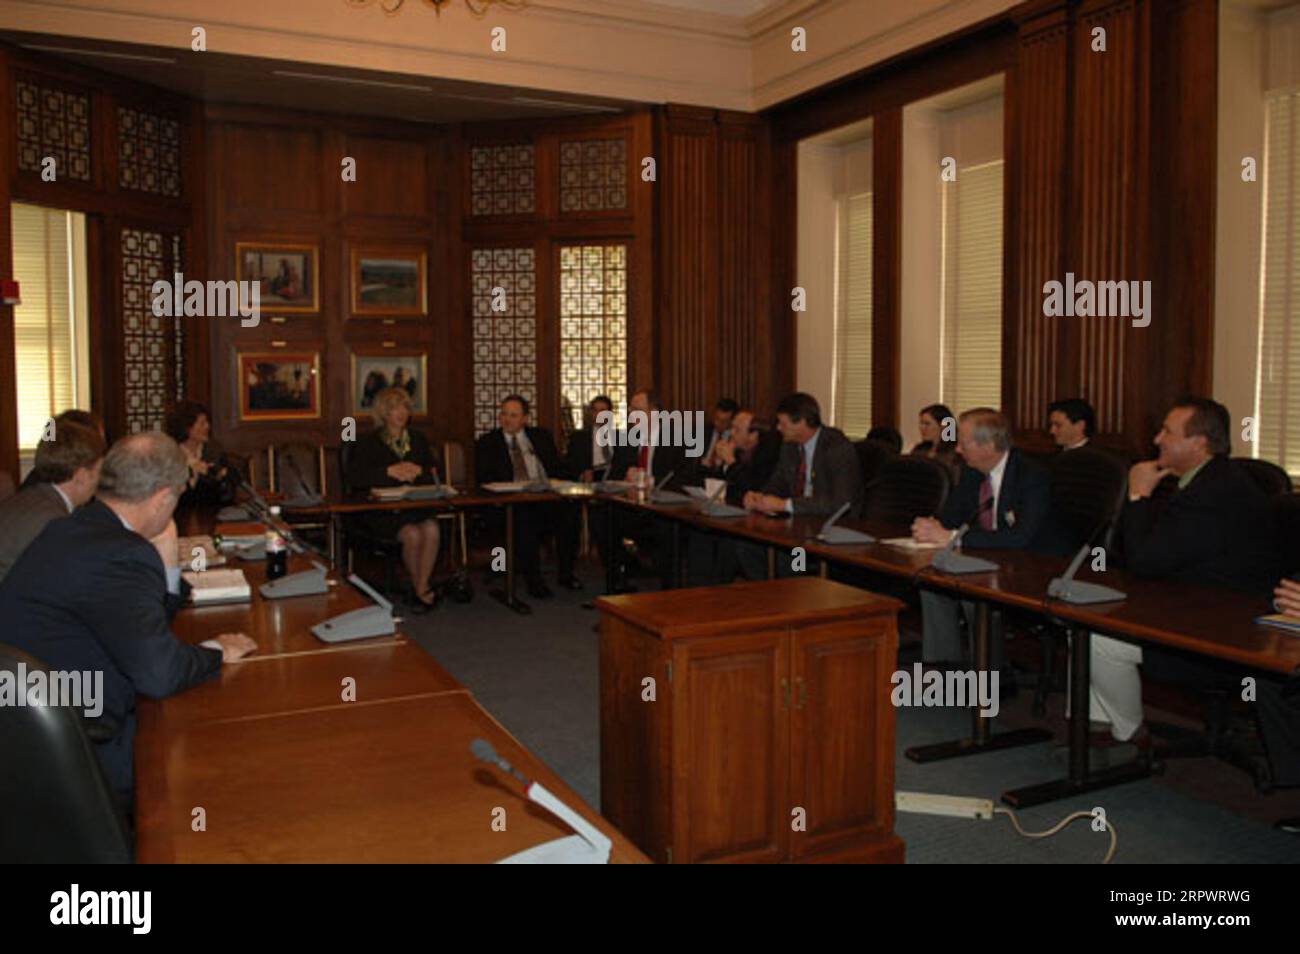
x=1286, y=526
x=1088, y=491
x=872, y=458
x=1270, y=478
x=906, y=488
x=55, y=803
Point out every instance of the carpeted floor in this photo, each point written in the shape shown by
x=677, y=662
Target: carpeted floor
x=539, y=676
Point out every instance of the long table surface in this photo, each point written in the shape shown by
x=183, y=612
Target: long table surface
x=1211, y=621
x=310, y=752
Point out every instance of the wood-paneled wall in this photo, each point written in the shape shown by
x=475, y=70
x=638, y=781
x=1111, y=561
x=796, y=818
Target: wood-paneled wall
x=714, y=328
x=276, y=177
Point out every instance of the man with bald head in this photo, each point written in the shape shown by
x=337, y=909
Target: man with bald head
x=97, y=590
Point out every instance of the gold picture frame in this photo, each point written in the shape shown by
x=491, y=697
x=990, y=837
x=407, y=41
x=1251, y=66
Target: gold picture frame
x=389, y=281
x=289, y=273
x=271, y=387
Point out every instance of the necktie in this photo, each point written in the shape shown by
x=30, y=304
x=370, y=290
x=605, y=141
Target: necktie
x=643, y=457
x=801, y=475
x=986, y=503
x=517, y=459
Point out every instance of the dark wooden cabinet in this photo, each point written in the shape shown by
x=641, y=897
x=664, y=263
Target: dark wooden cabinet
x=767, y=733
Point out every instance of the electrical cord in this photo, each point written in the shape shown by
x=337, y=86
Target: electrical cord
x=1114, y=837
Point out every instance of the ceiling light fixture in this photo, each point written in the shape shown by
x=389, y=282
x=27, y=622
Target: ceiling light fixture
x=479, y=8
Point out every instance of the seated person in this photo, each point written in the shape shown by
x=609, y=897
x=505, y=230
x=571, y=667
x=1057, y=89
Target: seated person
x=515, y=451
x=64, y=478
x=1214, y=531
x=654, y=459
x=938, y=429
x=1279, y=708
x=816, y=474
x=746, y=462
x=72, y=416
x=391, y=455
x=590, y=452
x=888, y=436
x=118, y=586
x=720, y=424
x=1072, y=422
x=212, y=480
x=1006, y=500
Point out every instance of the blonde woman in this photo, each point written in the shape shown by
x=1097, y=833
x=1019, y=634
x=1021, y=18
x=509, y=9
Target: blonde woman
x=390, y=455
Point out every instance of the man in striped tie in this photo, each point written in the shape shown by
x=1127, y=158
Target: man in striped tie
x=1006, y=500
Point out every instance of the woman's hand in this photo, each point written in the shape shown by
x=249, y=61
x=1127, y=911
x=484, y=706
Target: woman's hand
x=404, y=472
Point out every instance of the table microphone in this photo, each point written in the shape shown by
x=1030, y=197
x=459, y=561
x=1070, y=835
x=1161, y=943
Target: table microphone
x=950, y=561
x=589, y=846
x=1069, y=590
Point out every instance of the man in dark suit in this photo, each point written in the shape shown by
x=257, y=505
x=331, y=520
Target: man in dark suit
x=517, y=452
x=1006, y=499
x=816, y=474
x=64, y=477
x=94, y=592
x=720, y=427
x=746, y=461
x=650, y=452
x=1071, y=422
x=1214, y=531
x=590, y=450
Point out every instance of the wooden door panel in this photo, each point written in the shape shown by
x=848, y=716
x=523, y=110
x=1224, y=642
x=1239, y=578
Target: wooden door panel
x=731, y=748
x=842, y=732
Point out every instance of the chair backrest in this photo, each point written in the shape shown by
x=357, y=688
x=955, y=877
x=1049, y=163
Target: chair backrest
x=1088, y=488
x=872, y=458
x=906, y=488
x=55, y=803
x=346, y=450
x=7, y=486
x=299, y=469
x=453, y=459
x=1271, y=478
x=1286, y=527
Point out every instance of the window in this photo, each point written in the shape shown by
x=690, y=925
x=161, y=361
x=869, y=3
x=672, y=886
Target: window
x=51, y=334
x=593, y=327
x=851, y=389
x=971, y=288
x=1277, y=394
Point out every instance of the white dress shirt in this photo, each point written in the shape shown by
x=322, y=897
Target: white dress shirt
x=995, y=478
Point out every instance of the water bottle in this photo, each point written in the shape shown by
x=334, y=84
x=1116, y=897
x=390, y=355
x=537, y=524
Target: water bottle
x=277, y=551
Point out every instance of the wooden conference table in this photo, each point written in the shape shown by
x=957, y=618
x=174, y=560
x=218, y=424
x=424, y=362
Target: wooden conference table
x=1208, y=621
x=284, y=769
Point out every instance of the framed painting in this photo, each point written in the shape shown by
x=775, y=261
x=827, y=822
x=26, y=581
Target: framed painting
x=373, y=371
x=278, y=385
x=289, y=275
x=389, y=281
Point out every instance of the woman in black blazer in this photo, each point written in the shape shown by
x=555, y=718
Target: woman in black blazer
x=389, y=456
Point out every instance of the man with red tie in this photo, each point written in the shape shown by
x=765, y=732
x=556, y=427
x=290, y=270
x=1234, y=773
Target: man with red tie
x=656, y=456
x=1006, y=499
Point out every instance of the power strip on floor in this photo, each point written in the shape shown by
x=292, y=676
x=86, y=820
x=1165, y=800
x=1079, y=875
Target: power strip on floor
x=955, y=806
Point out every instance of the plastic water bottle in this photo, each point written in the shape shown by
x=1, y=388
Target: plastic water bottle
x=277, y=551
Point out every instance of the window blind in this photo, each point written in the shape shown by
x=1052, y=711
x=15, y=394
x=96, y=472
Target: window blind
x=852, y=385
x=1278, y=382
x=971, y=300
x=51, y=363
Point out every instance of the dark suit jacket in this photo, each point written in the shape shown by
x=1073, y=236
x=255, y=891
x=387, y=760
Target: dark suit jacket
x=754, y=472
x=665, y=459
x=579, y=456
x=1215, y=531
x=89, y=594
x=369, y=460
x=836, y=478
x=1026, y=492
x=22, y=517
x=492, y=462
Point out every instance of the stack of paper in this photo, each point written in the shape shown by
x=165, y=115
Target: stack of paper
x=907, y=543
x=185, y=547
x=218, y=586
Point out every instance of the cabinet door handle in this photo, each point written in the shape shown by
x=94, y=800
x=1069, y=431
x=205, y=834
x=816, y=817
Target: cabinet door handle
x=785, y=692
x=803, y=692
